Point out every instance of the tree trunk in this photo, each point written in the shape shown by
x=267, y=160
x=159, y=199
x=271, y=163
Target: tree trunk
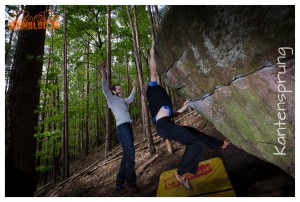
x=23, y=99
x=97, y=130
x=128, y=81
x=82, y=122
x=151, y=23
x=157, y=17
x=108, y=137
x=54, y=107
x=54, y=173
x=145, y=115
x=65, y=139
x=41, y=139
x=82, y=134
x=58, y=157
x=86, y=150
x=98, y=116
x=137, y=38
x=45, y=180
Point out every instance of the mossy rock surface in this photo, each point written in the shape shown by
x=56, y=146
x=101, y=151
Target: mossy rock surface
x=226, y=57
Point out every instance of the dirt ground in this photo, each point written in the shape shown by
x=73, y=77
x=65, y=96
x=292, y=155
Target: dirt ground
x=249, y=175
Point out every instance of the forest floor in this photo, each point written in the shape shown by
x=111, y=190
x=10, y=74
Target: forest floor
x=94, y=175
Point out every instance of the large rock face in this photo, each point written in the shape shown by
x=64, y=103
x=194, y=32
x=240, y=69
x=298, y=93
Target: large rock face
x=227, y=60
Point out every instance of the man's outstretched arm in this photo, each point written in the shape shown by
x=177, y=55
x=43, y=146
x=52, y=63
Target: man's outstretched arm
x=132, y=94
x=102, y=70
x=105, y=88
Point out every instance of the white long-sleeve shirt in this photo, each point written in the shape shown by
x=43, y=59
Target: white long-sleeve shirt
x=118, y=105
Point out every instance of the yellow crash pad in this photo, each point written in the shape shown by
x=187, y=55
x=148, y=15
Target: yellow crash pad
x=211, y=179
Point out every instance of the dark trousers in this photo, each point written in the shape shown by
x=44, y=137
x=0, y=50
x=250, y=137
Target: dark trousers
x=125, y=137
x=192, y=138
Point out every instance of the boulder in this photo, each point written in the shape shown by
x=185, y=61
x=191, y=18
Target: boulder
x=236, y=65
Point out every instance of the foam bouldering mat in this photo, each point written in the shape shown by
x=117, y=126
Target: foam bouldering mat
x=211, y=179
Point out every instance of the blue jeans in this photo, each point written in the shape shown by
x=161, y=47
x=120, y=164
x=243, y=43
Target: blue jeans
x=192, y=138
x=125, y=137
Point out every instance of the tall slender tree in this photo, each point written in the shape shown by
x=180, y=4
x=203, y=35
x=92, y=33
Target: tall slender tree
x=98, y=116
x=65, y=129
x=54, y=161
x=86, y=150
x=108, y=138
x=23, y=99
x=151, y=23
x=145, y=115
x=157, y=21
x=43, y=114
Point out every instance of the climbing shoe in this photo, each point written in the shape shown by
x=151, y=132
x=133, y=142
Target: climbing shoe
x=132, y=188
x=184, y=180
x=119, y=185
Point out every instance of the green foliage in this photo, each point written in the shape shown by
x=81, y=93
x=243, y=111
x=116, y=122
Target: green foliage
x=85, y=24
x=43, y=168
x=135, y=111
